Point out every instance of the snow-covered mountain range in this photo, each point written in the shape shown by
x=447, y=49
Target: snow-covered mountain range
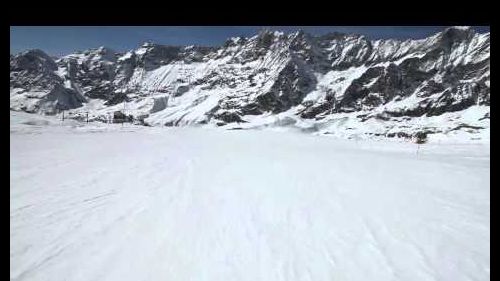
x=339, y=84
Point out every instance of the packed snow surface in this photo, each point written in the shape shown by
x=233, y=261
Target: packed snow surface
x=113, y=202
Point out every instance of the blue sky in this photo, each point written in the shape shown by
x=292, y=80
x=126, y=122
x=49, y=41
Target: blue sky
x=64, y=40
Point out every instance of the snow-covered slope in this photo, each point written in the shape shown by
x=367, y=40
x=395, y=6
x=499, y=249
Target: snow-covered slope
x=106, y=202
x=309, y=79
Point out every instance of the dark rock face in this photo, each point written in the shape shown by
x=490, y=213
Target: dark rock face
x=33, y=70
x=452, y=37
x=456, y=99
x=58, y=99
x=356, y=93
x=292, y=84
x=65, y=98
x=271, y=73
x=92, y=73
x=125, y=69
x=313, y=111
x=181, y=90
x=120, y=117
x=32, y=61
x=228, y=117
x=103, y=91
x=195, y=53
x=157, y=55
x=116, y=98
x=250, y=109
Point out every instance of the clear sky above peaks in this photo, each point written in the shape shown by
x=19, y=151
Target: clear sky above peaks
x=60, y=40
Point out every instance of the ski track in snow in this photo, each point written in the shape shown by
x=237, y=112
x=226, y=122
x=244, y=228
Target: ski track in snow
x=202, y=204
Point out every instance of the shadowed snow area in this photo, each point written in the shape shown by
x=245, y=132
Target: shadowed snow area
x=105, y=202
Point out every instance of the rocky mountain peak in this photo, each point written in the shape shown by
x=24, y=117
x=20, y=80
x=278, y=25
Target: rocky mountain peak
x=456, y=35
x=307, y=78
x=32, y=60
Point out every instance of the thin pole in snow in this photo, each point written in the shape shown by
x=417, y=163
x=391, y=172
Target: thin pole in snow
x=87, y=116
x=124, y=115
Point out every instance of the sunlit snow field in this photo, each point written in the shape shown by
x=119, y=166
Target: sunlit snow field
x=111, y=202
